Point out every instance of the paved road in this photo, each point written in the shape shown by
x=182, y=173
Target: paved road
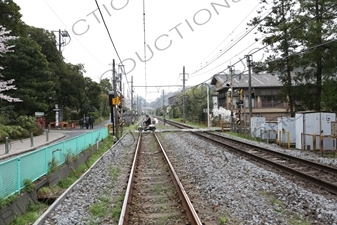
x=26, y=145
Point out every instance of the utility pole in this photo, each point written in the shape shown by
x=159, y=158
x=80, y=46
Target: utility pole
x=249, y=86
x=184, y=118
x=132, y=99
x=59, y=105
x=137, y=105
x=207, y=105
x=120, y=75
x=231, y=96
x=116, y=95
x=60, y=43
x=111, y=96
x=164, y=111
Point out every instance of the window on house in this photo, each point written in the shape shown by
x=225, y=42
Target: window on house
x=268, y=101
x=247, y=103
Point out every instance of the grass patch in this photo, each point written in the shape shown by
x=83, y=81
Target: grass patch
x=44, y=191
x=117, y=209
x=28, y=185
x=115, y=172
x=8, y=201
x=179, y=120
x=163, y=220
x=223, y=220
x=130, y=128
x=52, y=165
x=34, y=210
x=245, y=136
x=67, y=182
x=280, y=208
x=98, y=209
x=69, y=157
x=297, y=220
x=157, y=189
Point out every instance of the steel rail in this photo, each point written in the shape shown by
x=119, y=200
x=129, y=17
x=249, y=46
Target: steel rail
x=191, y=213
x=123, y=219
x=326, y=185
x=331, y=187
x=279, y=154
x=286, y=156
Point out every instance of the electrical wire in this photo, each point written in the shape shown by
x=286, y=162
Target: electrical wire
x=229, y=59
x=144, y=48
x=107, y=29
x=234, y=44
x=237, y=41
x=230, y=34
x=302, y=51
x=74, y=36
x=299, y=26
x=296, y=53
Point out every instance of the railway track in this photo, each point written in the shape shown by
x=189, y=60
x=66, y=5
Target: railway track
x=154, y=193
x=317, y=174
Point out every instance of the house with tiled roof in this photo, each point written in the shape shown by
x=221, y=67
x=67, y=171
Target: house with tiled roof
x=264, y=88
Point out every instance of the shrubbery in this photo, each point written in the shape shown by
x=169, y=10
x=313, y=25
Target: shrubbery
x=21, y=128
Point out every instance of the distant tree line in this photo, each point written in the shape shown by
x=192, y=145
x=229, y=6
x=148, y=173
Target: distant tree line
x=40, y=77
x=300, y=37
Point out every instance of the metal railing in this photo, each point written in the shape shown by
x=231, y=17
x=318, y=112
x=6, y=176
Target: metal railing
x=35, y=164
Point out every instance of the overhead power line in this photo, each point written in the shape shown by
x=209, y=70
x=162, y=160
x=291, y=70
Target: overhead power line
x=106, y=27
x=299, y=26
x=73, y=36
x=296, y=53
x=144, y=47
x=296, y=28
x=229, y=35
x=225, y=50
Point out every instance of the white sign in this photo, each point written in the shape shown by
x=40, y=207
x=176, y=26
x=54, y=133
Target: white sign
x=39, y=113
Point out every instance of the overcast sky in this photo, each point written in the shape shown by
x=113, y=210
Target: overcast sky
x=179, y=33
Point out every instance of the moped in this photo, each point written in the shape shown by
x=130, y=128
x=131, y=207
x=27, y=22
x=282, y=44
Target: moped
x=143, y=127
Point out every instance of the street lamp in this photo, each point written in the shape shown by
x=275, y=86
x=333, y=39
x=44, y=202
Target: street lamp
x=59, y=108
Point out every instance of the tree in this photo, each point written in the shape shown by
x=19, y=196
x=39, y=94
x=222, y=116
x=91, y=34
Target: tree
x=105, y=105
x=195, y=102
x=93, y=99
x=29, y=67
x=10, y=17
x=276, y=28
x=317, y=19
x=4, y=48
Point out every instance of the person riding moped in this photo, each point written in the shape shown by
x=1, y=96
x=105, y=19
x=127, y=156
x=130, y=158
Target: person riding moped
x=147, y=120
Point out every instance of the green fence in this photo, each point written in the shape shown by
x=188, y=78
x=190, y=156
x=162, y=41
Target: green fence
x=33, y=165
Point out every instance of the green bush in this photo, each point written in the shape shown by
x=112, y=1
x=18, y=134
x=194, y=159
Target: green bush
x=75, y=116
x=26, y=122
x=17, y=132
x=13, y=131
x=35, y=130
x=3, y=135
x=3, y=119
x=94, y=114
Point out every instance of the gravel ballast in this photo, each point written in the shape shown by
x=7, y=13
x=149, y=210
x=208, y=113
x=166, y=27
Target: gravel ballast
x=245, y=191
x=237, y=188
x=104, y=183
